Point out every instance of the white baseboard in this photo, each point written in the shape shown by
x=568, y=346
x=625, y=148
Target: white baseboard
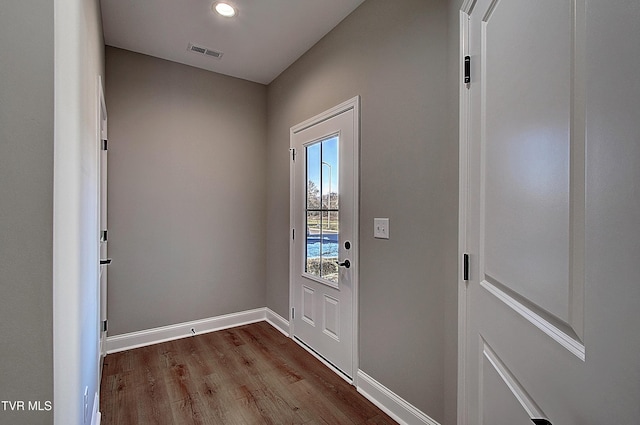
x=146, y=337
x=277, y=321
x=393, y=405
x=96, y=417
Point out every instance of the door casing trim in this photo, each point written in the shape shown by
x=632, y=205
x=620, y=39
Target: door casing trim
x=463, y=211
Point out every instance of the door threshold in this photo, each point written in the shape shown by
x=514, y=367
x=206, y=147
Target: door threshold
x=326, y=362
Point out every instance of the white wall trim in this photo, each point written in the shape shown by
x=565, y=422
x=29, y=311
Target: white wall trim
x=390, y=403
x=96, y=417
x=146, y=337
x=277, y=321
x=463, y=213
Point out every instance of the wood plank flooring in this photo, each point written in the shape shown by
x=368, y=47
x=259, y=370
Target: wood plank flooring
x=246, y=375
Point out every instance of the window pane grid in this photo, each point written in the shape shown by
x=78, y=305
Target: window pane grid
x=322, y=209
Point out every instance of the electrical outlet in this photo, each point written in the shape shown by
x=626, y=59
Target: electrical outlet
x=381, y=228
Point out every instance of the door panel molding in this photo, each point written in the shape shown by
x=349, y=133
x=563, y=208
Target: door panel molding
x=558, y=330
x=308, y=307
x=526, y=402
x=564, y=319
x=331, y=317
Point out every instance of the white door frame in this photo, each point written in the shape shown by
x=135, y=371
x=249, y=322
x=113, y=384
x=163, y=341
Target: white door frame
x=102, y=186
x=463, y=205
x=351, y=104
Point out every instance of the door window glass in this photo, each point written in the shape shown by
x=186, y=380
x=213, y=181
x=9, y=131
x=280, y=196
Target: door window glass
x=322, y=209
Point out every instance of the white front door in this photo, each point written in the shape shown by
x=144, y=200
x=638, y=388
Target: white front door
x=523, y=204
x=324, y=244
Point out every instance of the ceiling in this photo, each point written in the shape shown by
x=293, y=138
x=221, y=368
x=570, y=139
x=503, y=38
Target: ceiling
x=261, y=41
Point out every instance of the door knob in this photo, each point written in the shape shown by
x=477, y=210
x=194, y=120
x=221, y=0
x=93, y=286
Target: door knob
x=346, y=263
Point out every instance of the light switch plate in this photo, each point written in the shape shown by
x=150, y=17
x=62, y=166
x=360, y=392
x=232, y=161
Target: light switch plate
x=381, y=228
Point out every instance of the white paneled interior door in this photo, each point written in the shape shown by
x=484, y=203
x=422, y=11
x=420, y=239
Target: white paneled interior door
x=524, y=208
x=324, y=241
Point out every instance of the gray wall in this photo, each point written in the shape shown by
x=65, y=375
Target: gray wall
x=186, y=192
x=395, y=56
x=26, y=206
x=612, y=292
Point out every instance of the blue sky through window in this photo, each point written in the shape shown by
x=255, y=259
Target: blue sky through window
x=324, y=165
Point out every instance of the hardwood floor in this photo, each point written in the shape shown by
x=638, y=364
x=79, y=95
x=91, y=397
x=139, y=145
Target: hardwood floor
x=247, y=375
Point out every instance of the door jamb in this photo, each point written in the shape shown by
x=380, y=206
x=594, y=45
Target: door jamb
x=464, y=105
x=354, y=104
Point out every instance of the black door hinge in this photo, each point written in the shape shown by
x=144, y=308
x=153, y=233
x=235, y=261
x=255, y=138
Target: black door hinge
x=103, y=236
x=104, y=145
x=293, y=313
x=293, y=154
x=293, y=234
x=465, y=267
x=105, y=325
x=467, y=69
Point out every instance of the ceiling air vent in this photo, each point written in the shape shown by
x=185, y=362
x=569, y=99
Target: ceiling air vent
x=204, y=51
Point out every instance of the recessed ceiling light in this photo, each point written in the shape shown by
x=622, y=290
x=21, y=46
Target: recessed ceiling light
x=225, y=10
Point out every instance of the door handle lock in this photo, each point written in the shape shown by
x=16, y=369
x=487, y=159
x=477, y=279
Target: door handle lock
x=345, y=264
